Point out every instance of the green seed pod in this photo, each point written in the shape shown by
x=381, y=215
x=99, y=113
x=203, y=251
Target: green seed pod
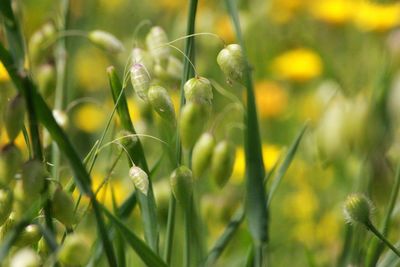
x=25, y=257
x=29, y=236
x=358, y=209
x=139, y=179
x=222, y=162
x=162, y=103
x=22, y=201
x=191, y=123
x=202, y=154
x=75, y=251
x=156, y=41
x=6, y=203
x=33, y=178
x=10, y=162
x=231, y=62
x=62, y=207
x=181, y=181
x=140, y=79
x=141, y=56
x=198, y=90
x=14, y=116
x=46, y=79
x=106, y=41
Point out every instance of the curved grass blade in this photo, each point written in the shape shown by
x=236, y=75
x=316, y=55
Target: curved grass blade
x=143, y=251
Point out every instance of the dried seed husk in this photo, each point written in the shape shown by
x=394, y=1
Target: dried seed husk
x=162, y=103
x=191, y=123
x=231, y=61
x=14, y=116
x=140, y=179
x=140, y=80
x=10, y=162
x=202, y=154
x=181, y=181
x=106, y=41
x=222, y=162
x=198, y=90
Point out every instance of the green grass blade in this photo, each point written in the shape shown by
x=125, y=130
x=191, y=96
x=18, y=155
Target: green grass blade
x=147, y=203
x=285, y=164
x=256, y=206
x=389, y=259
x=143, y=251
x=121, y=257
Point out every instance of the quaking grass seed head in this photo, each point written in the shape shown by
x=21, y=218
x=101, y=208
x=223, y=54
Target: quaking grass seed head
x=33, y=178
x=62, y=207
x=29, y=236
x=232, y=62
x=140, y=179
x=25, y=257
x=14, y=116
x=140, y=79
x=10, y=162
x=223, y=159
x=192, y=119
x=202, y=153
x=156, y=41
x=358, y=209
x=198, y=90
x=106, y=41
x=162, y=103
x=181, y=181
x=143, y=57
x=75, y=250
x=39, y=39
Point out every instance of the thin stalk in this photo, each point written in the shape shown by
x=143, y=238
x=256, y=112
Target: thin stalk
x=376, y=232
x=188, y=234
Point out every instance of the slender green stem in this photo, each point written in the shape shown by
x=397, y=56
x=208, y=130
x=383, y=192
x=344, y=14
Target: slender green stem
x=376, y=232
x=170, y=229
x=188, y=234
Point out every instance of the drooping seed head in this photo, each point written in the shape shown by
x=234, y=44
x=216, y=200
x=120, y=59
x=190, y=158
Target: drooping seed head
x=156, y=41
x=222, y=162
x=181, y=181
x=191, y=123
x=162, y=103
x=6, y=203
x=29, y=236
x=202, y=153
x=106, y=41
x=75, y=251
x=140, y=179
x=33, y=177
x=140, y=79
x=46, y=79
x=62, y=207
x=231, y=61
x=141, y=56
x=10, y=162
x=358, y=209
x=39, y=40
x=25, y=257
x=198, y=90
x=14, y=116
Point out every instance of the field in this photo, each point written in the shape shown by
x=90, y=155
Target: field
x=199, y=133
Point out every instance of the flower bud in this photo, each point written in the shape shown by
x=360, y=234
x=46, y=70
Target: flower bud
x=10, y=162
x=6, y=203
x=33, y=178
x=62, y=207
x=14, y=116
x=106, y=41
x=182, y=185
x=75, y=251
x=202, y=154
x=162, y=103
x=25, y=257
x=46, y=79
x=222, y=162
x=191, y=123
x=358, y=209
x=231, y=62
x=141, y=56
x=198, y=90
x=140, y=79
x=139, y=179
x=156, y=41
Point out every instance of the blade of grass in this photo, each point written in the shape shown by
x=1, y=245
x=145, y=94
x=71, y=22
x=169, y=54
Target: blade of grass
x=143, y=251
x=147, y=203
x=286, y=163
x=256, y=206
x=121, y=257
x=377, y=247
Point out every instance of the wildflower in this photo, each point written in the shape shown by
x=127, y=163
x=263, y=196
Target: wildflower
x=299, y=65
x=271, y=99
x=377, y=16
x=89, y=118
x=336, y=12
x=3, y=73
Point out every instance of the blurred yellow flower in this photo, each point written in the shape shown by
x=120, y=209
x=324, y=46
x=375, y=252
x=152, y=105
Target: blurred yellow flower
x=104, y=194
x=281, y=11
x=89, y=118
x=298, y=65
x=19, y=141
x=133, y=109
x=304, y=232
x=111, y=6
x=271, y=154
x=377, y=16
x=3, y=73
x=90, y=69
x=302, y=204
x=329, y=227
x=271, y=99
x=333, y=11
x=224, y=29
